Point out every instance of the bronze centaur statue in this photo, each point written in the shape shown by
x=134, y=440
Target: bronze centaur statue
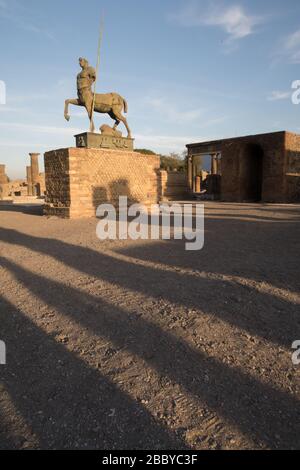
x=110, y=103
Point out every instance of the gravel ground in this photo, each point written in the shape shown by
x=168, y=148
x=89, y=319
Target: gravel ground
x=143, y=345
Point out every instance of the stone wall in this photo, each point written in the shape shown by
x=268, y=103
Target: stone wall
x=79, y=180
x=4, y=180
x=280, y=166
x=292, y=168
x=3, y=177
x=173, y=185
x=4, y=191
x=41, y=185
x=35, y=180
x=233, y=152
x=17, y=188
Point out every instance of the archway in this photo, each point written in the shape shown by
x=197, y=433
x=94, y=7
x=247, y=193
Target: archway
x=251, y=173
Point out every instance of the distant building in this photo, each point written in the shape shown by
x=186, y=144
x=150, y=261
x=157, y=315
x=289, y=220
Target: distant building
x=35, y=179
x=4, y=180
x=264, y=167
x=34, y=185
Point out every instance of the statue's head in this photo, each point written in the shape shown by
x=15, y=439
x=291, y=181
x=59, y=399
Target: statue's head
x=83, y=62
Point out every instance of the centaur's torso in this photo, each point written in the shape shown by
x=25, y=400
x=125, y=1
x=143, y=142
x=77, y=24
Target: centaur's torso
x=85, y=80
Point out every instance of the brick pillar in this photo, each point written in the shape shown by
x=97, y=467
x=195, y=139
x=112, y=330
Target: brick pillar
x=29, y=181
x=34, y=172
x=214, y=164
x=3, y=177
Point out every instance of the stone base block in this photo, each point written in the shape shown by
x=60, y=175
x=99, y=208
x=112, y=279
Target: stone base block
x=78, y=180
x=97, y=141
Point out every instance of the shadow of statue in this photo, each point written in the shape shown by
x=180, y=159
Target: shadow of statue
x=65, y=402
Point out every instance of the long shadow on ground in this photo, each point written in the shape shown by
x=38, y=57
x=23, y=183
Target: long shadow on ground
x=65, y=403
x=265, y=414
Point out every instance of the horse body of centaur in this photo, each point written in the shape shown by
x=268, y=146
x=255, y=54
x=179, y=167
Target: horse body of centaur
x=109, y=103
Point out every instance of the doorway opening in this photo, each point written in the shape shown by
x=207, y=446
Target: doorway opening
x=251, y=173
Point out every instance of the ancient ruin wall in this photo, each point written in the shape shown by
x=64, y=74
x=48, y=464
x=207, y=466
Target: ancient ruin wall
x=173, y=185
x=79, y=180
x=292, y=167
x=273, y=147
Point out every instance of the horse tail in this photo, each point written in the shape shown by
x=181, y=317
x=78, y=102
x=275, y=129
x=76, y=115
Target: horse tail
x=125, y=105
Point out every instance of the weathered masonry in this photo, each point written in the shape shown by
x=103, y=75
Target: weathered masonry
x=264, y=167
x=78, y=180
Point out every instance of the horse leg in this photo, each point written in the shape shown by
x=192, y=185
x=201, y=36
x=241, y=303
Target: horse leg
x=120, y=118
x=75, y=102
x=92, y=125
x=89, y=108
x=116, y=124
x=114, y=118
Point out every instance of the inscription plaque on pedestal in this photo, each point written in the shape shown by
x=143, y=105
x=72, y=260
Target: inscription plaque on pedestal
x=102, y=141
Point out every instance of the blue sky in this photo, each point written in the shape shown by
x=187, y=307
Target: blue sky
x=190, y=70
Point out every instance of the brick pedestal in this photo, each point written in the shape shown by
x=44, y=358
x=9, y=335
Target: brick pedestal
x=79, y=180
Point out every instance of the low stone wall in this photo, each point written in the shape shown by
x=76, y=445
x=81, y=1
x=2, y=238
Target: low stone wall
x=78, y=180
x=4, y=190
x=173, y=185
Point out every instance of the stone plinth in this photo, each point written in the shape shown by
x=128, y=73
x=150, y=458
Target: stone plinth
x=78, y=180
x=102, y=141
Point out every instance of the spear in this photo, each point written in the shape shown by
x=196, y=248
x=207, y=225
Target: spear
x=97, y=69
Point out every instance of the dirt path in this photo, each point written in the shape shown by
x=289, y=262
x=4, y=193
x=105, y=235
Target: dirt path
x=143, y=345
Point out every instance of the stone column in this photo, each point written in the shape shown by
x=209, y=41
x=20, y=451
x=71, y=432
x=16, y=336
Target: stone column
x=214, y=164
x=34, y=172
x=219, y=163
x=190, y=172
x=2, y=174
x=29, y=181
x=3, y=177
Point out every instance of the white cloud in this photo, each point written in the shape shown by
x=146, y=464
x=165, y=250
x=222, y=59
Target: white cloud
x=37, y=129
x=293, y=40
x=166, y=143
x=171, y=113
x=12, y=13
x=279, y=95
x=160, y=143
x=233, y=20
x=9, y=109
x=29, y=97
x=291, y=47
x=14, y=144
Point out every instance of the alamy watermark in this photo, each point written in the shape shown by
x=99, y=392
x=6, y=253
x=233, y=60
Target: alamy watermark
x=2, y=353
x=296, y=93
x=2, y=92
x=157, y=222
x=296, y=354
